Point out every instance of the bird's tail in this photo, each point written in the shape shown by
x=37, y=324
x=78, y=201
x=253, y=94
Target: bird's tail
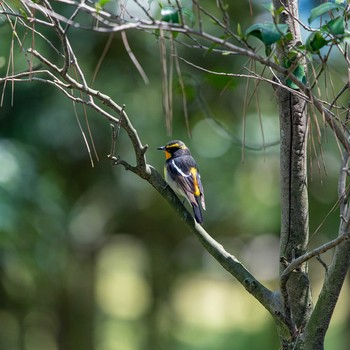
x=197, y=211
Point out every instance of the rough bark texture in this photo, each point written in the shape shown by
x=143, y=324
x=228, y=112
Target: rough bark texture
x=294, y=200
x=294, y=196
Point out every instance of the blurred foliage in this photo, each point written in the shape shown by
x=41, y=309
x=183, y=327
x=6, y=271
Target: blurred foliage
x=91, y=258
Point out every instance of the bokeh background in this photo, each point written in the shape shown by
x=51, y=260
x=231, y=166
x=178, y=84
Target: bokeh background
x=92, y=258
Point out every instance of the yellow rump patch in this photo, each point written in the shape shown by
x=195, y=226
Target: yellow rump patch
x=196, y=190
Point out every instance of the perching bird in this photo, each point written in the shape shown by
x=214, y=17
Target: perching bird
x=182, y=175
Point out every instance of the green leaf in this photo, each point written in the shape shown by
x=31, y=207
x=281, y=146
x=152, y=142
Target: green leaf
x=279, y=11
x=170, y=14
x=323, y=9
x=103, y=2
x=268, y=33
x=299, y=73
x=292, y=55
x=299, y=69
x=335, y=26
x=315, y=42
x=288, y=37
x=99, y=4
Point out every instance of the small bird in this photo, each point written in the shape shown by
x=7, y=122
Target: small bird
x=182, y=175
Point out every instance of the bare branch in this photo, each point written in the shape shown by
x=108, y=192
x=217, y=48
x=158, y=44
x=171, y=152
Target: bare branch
x=342, y=90
x=133, y=58
x=271, y=301
x=311, y=254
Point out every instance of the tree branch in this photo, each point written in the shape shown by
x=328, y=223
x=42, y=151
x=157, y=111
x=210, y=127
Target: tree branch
x=294, y=123
x=270, y=300
x=335, y=274
x=295, y=264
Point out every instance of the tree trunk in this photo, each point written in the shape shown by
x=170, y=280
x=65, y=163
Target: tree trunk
x=294, y=195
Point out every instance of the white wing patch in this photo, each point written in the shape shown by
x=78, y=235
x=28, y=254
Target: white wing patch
x=179, y=170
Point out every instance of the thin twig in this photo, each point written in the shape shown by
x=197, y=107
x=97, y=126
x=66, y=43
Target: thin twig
x=102, y=57
x=133, y=58
x=183, y=92
x=83, y=134
x=115, y=134
x=165, y=82
x=342, y=90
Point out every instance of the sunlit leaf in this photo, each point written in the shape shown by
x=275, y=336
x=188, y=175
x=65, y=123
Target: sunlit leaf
x=323, y=9
x=279, y=11
x=268, y=33
x=170, y=14
x=99, y=4
x=103, y=2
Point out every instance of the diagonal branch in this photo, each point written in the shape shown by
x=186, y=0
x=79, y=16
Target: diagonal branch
x=295, y=264
x=270, y=300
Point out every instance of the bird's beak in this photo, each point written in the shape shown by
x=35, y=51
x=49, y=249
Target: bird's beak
x=161, y=148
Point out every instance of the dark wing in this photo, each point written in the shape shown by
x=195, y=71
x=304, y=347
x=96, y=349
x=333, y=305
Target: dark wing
x=184, y=171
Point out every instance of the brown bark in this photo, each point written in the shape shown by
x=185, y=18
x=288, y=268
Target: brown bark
x=294, y=195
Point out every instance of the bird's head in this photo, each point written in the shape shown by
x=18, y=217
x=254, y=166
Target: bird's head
x=174, y=148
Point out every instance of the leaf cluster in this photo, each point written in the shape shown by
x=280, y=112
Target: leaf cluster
x=330, y=33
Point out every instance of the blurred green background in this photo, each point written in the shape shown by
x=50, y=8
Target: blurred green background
x=92, y=258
